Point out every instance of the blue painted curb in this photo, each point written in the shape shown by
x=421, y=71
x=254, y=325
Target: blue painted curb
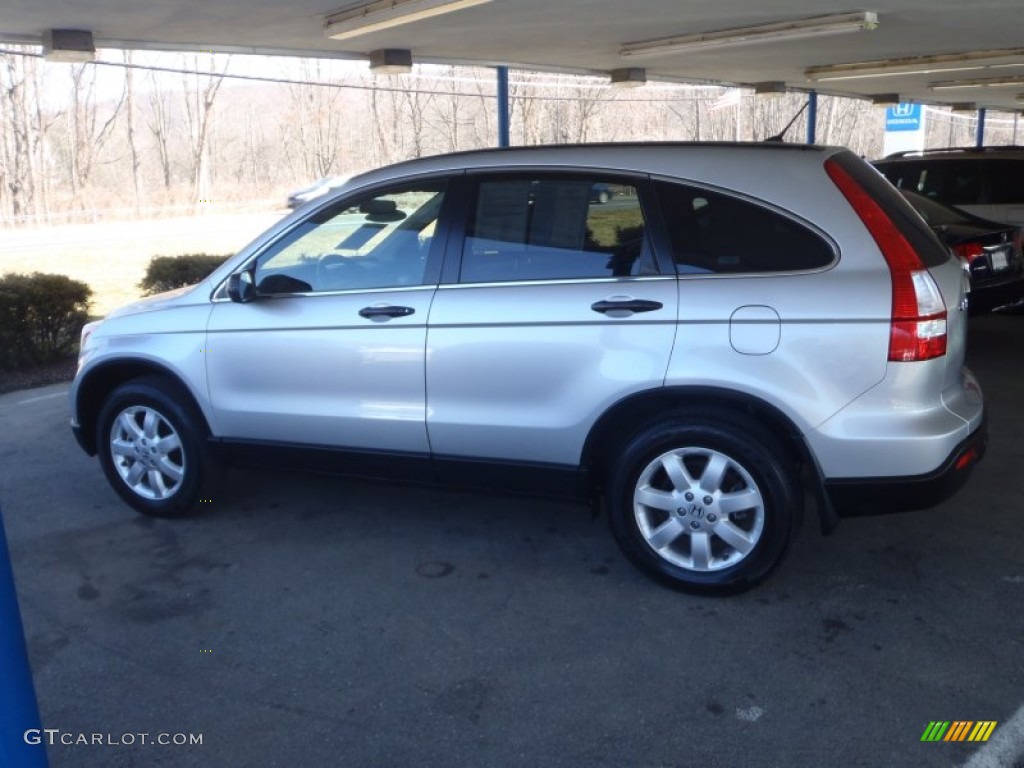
x=22, y=743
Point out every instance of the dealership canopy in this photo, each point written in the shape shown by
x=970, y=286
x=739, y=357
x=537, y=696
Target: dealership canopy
x=927, y=51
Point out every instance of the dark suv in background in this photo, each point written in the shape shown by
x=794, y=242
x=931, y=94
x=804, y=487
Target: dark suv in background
x=984, y=181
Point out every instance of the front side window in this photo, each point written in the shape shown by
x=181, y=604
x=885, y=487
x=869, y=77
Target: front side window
x=555, y=228
x=377, y=240
x=713, y=233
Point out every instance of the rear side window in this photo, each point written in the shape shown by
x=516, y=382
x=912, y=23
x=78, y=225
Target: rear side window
x=714, y=233
x=551, y=228
x=1006, y=181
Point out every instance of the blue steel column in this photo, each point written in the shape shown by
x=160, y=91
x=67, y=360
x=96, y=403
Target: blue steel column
x=503, y=134
x=979, y=134
x=22, y=743
x=812, y=116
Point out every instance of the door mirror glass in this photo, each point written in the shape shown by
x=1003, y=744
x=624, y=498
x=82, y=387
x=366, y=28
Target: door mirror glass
x=241, y=288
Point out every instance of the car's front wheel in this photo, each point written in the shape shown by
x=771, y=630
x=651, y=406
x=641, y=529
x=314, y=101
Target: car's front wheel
x=152, y=447
x=704, y=502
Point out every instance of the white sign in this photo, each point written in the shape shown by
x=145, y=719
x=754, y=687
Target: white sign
x=904, y=129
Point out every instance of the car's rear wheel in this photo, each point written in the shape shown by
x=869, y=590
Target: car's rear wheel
x=704, y=502
x=152, y=447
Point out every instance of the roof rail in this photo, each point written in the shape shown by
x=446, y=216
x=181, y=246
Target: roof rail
x=951, y=150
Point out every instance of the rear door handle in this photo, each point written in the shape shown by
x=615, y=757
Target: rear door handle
x=385, y=310
x=623, y=307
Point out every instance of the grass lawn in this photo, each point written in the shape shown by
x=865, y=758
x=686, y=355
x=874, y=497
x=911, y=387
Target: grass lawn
x=111, y=257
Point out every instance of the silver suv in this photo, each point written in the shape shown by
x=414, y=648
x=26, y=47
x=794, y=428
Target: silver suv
x=736, y=326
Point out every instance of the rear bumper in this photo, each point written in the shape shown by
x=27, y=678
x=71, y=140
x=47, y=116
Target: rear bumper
x=881, y=495
x=985, y=298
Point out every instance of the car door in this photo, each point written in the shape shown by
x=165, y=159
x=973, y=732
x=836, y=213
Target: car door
x=553, y=310
x=331, y=350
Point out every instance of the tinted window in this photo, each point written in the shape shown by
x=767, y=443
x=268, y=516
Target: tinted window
x=555, y=228
x=936, y=214
x=1006, y=181
x=380, y=240
x=713, y=233
x=953, y=182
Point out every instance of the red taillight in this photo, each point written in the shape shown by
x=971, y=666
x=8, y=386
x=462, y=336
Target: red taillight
x=968, y=251
x=918, y=325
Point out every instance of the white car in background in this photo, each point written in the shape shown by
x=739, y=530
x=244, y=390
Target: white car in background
x=318, y=188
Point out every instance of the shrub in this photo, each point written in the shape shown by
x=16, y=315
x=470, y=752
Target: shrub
x=41, y=317
x=165, y=273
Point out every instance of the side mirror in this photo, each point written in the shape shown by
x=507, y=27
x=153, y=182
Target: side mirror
x=241, y=288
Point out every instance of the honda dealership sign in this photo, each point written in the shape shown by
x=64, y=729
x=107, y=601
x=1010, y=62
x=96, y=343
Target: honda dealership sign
x=904, y=128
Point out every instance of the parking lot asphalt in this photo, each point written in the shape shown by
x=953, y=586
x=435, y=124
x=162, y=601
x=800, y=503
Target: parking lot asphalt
x=317, y=621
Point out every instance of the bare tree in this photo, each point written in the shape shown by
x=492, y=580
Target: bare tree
x=200, y=92
x=133, y=147
x=88, y=132
x=15, y=154
x=314, y=124
x=160, y=125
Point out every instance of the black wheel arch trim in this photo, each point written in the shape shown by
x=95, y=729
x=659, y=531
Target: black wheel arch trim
x=100, y=380
x=640, y=407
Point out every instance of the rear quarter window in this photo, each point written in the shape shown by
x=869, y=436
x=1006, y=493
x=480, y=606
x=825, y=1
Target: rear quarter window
x=715, y=233
x=910, y=224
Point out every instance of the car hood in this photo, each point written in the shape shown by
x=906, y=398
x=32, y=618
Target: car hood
x=159, y=301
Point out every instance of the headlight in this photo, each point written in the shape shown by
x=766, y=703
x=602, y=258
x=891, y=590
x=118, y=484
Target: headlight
x=87, y=330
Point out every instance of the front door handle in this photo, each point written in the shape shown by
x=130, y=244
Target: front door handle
x=625, y=306
x=385, y=310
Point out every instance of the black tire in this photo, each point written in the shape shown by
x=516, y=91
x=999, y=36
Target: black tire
x=677, y=539
x=161, y=405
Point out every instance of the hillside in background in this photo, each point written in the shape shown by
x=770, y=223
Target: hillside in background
x=144, y=134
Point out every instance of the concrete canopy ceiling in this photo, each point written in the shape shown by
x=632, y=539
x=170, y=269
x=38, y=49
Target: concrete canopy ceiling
x=578, y=36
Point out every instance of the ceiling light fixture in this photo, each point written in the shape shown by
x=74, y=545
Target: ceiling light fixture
x=71, y=46
x=919, y=65
x=772, y=86
x=391, y=61
x=815, y=26
x=628, y=77
x=364, y=18
x=981, y=82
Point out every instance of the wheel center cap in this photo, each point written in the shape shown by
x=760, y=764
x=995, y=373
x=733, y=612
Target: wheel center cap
x=695, y=511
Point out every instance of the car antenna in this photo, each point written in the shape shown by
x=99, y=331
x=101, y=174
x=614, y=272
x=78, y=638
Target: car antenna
x=780, y=136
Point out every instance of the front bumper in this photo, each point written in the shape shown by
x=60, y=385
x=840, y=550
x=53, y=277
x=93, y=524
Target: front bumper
x=881, y=495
